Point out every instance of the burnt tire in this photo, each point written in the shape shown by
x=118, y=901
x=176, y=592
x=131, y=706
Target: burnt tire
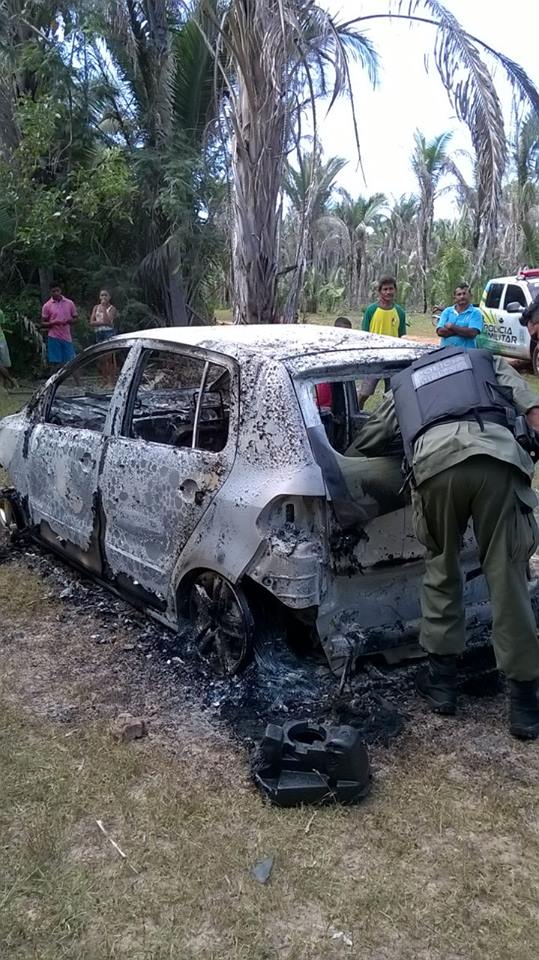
x=222, y=621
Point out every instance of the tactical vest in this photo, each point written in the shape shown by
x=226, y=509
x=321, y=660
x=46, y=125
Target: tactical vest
x=446, y=385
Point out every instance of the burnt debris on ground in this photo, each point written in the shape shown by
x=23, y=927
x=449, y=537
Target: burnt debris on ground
x=277, y=686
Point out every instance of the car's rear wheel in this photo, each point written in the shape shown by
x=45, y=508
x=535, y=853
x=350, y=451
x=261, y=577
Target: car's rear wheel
x=11, y=518
x=535, y=358
x=223, y=622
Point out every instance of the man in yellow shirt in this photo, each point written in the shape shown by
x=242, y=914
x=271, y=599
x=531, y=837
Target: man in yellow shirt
x=385, y=317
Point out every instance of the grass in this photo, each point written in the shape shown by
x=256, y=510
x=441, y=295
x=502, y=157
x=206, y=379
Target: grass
x=439, y=862
x=419, y=324
x=12, y=400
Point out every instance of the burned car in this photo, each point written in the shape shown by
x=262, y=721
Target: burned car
x=202, y=473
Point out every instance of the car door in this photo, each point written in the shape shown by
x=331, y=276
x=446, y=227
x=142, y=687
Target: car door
x=491, y=301
x=371, y=528
x=64, y=454
x=515, y=337
x=372, y=489
x=173, y=452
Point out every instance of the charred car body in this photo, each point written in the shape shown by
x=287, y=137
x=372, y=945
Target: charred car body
x=203, y=471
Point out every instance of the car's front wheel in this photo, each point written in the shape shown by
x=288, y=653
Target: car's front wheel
x=222, y=621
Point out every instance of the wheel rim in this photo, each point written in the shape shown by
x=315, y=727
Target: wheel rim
x=222, y=621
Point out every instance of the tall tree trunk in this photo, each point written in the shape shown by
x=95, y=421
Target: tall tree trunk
x=360, y=260
x=351, y=273
x=175, y=305
x=424, y=261
x=312, y=305
x=304, y=256
x=257, y=166
x=45, y=280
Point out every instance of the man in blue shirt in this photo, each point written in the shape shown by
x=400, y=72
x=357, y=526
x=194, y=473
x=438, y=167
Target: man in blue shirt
x=459, y=325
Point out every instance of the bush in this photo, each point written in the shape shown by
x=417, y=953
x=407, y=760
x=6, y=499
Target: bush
x=23, y=333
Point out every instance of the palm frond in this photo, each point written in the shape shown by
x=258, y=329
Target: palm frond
x=194, y=101
x=473, y=95
x=522, y=85
x=139, y=40
x=315, y=174
x=33, y=335
x=527, y=150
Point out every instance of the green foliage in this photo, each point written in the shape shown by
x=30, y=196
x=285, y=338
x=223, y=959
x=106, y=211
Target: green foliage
x=452, y=267
x=328, y=294
x=51, y=204
x=20, y=323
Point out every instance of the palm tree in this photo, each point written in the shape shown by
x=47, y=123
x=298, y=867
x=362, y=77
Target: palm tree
x=163, y=80
x=357, y=218
x=526, y=187
x=312, y=176
x=460, y=60
x=429, y=163
x=308, y=188
x=270, y=53
x=399, y=233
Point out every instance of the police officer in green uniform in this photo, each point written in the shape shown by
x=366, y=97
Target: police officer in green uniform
x=456, y=411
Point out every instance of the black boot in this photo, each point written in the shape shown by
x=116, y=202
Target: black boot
x=524, y=709
x=437, y=683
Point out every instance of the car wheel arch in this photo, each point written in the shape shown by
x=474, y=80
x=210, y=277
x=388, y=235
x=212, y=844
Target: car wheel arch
x=534, y=355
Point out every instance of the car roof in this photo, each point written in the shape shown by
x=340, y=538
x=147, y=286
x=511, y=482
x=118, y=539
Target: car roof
x=275, y=341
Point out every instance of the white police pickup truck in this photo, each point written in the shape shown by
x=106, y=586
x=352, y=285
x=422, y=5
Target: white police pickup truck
x=502, y=303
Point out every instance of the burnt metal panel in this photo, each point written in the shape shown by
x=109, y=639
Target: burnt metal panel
x=154, y=495
x=63, y=468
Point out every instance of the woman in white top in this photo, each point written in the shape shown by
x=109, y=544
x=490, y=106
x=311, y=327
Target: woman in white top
x=103, y=318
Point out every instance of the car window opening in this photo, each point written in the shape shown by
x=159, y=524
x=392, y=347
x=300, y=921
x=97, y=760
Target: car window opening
x=181, y=402
x=346, y=406
x=82, y=399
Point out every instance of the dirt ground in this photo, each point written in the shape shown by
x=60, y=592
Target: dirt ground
x=439, y=863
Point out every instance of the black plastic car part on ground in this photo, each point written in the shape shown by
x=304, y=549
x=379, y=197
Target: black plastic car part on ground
x=307, y=762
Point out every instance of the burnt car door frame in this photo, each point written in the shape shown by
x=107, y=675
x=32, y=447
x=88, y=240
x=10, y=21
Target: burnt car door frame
x=380, y=491
x=149, y=519
x=68, y=459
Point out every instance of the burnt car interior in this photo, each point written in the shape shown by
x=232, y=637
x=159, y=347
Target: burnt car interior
x=374, y=483
x=181, y=401
x=82, y=398
x=339, y=409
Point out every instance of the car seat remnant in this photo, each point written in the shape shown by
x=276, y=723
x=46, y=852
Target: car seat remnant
x=306, y=762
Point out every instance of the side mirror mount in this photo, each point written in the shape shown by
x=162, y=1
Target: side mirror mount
x=514, y=307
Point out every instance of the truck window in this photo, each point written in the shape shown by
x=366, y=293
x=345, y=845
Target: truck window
x=514, y=294
x=494, y=295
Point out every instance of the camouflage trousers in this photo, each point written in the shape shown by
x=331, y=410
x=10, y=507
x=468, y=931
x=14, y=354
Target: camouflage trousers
x=500, y=503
